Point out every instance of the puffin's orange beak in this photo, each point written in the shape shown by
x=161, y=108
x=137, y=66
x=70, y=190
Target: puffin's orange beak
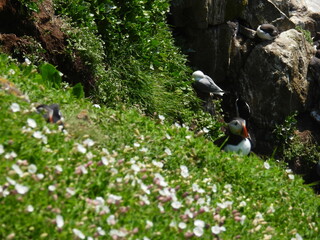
x=244, y=132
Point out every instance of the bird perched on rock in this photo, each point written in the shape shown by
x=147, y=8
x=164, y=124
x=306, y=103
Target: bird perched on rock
x=239, y=139
x=51, y=113
x=267, y=32
x=205, y=84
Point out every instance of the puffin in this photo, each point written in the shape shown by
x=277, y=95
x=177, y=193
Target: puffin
x=267, y=32
x=239, y=138
x=51, y=113
x=205, y=84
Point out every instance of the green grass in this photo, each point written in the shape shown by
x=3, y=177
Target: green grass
x=132, y=173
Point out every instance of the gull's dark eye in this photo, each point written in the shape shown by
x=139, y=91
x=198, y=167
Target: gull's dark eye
x=236, y=123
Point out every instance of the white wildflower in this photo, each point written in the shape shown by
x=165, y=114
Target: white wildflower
x=145, y=199
x=96, y=106
x=58, y=168
x=10, y=155
x=157, y=164
x=78, y=233
x=188, y=137
x=114, y=198
x=11, y=181
x=217, y=229
x=136, y=145
x=15, y=107
x=168, y=136
x=297, y=237
x=37, y=135
x=168, y=151
x=30, y=208
x=81, y=148
x=199, y=223
x=21, y=189
x=100, y=231
x=17, y=169
x=111, y=220
x=70, y=191
x=40, y=176
x=144, y=150
x=11, y=71
x=149, y=224
x=198, y=231
x=266, y=165
x=32, y=168
x=31, y=123
x=182, y=225
x=1, y=149
x=214, y=188
x=176, y=204
x=88, y=142
x=173, y=224
x=184, y=171
x=291, y=176
x=52, y=188
x=161, y=117
x=242, y=204
x=135, y=168
x=59, y=221
x=27, y=61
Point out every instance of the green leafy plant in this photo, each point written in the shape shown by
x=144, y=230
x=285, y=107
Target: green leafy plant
x=306, y=33
x=50, y=75
x=78, y=91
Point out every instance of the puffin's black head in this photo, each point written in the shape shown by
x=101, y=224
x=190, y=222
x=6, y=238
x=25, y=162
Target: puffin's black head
x=51, y=113
x=238, y=127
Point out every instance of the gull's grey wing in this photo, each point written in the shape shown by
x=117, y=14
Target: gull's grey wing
x=206, y=84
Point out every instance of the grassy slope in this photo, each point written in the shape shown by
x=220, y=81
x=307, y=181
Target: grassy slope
x=220, y=190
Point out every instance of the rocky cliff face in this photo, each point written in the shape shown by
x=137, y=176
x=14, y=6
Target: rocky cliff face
x=272, y=76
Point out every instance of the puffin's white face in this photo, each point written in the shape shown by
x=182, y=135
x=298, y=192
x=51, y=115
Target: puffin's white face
x=197, y=75
x=238, y=127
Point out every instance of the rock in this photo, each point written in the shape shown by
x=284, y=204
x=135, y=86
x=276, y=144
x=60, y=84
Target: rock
x=274, y=77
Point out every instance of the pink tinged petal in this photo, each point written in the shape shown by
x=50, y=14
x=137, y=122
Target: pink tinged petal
x=59, y=221
x=111, y=220
x=21, y=189
x=32, y=168
x=78, y=233
x=31, y=123
x=15, y=107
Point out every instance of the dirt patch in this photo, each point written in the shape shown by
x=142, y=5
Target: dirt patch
x=41, y=34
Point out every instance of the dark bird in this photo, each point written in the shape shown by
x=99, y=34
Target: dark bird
x=242, y=108
x=267, y=32
x=239, y=139
x=51, y=113
x=205, y=84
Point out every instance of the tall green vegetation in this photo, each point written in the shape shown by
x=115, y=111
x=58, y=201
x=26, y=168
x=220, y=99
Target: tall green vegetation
x=137, y=61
